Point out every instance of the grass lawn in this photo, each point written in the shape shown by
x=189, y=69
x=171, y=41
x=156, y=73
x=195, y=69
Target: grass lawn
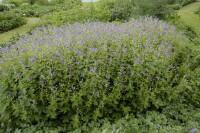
x=5, y=37
x=189, y=18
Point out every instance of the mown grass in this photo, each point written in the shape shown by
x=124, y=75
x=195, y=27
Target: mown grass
x=189, y=17
x=5, y=37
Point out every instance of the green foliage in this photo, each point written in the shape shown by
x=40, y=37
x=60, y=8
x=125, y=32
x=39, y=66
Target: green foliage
x=38, y=10
x=3, y=7
x=177, y=118
x=176, y=6
x=77, y=14
x=9, y=21
x=155, y=8
x=15, y=2
x=27, y=10
x=122, y=10
x=126, y=9
x=196, y=41
x=85, y=72
x=11, y=41
x=53, y=2
x=188, y=31
x=185, y=2
x=31, y=2
x=198, y=12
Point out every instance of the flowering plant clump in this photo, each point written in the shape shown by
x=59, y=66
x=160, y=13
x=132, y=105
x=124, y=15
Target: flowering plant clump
x=77, y=73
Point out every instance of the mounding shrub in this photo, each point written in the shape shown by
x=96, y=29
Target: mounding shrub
x=78, y=14
x=198, y=11
x=9, y=21
x=82, y=72
x=3, y=7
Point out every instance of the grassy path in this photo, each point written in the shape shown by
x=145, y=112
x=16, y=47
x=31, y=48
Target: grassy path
x=189, y=18
x=5, y=37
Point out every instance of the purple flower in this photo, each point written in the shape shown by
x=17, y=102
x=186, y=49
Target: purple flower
x=24, y=50
x=17, y=73
x=94, y=49
x=10, y=94
x=91, y=68
x=193, y=130
x=33, y=59
x=110, y=60
x=139, y=62
x=53, y=73
x=31, y=78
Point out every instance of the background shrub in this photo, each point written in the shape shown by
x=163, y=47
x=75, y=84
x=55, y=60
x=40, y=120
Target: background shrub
x=126, y=9
x=198, y=12
x=77, y=14
x=160, y=9
x=85, y=72
x=3, y=7
x=15, y=2
x=9, y=21
x=185, y=2
x=121, y=10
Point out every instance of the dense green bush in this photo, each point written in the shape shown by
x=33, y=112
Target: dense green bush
x=178, y=23
x=77, y=14
x=3, y=7
x=84, y=72
x=15, y=2
x=53, y=2
x=126, y=9
x=176, y=6
x=185, y=2
x=27, y=10
x=9, y=21
x=198, y=12
x=175, y=118
x=122, y=10
x=160, y=9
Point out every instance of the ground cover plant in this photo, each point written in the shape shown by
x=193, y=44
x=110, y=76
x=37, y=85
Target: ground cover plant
x=75, y=74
